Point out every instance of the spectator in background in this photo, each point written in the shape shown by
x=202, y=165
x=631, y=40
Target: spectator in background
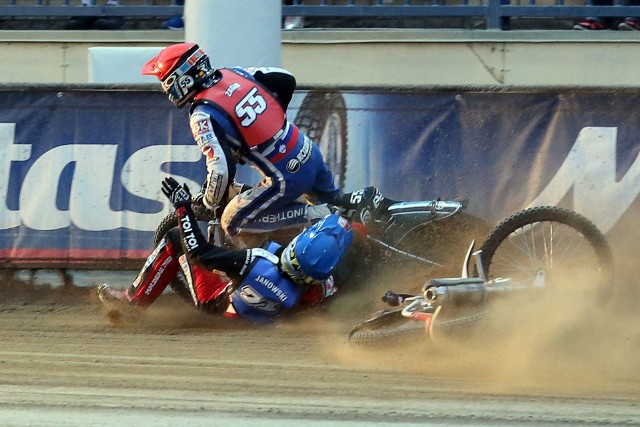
x=95, y=22
x=292, y=22
x=175, y=22
x=607, y=23
x=630, y=24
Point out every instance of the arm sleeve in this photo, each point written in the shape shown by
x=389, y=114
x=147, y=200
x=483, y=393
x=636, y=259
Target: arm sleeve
x=204, y=254
x=221, y=167
x=279, y=81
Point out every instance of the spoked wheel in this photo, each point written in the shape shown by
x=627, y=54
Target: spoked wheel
x=168, y=222
x=393, y=328
x=559, y=245
x=387, y=328
x=446, y=241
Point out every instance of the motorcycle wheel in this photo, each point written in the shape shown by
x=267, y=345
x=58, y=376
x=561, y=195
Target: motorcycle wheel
x=392, y=328
x=168, y=222
x=558, y=241
x=387, y=328
x=323, y=118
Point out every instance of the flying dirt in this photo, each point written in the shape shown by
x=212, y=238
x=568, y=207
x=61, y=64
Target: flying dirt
x=561, y=359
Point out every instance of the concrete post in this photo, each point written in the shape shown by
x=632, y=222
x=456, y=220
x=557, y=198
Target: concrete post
x=236, y=32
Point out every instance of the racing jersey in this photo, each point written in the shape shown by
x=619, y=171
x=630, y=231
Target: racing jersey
x=241, y=119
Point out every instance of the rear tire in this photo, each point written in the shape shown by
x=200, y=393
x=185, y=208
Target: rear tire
x=393, y=328
x=549, y=238
x=168, y=222
x=323, y=118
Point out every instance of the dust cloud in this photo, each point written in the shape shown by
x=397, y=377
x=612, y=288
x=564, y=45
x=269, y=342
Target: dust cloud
x=565, y=341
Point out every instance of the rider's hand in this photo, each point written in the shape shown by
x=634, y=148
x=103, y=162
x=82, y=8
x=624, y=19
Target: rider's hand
x=178, y=195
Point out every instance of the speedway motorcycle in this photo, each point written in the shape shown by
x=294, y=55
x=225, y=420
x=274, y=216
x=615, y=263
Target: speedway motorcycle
x=535, y=251
x=429, y=236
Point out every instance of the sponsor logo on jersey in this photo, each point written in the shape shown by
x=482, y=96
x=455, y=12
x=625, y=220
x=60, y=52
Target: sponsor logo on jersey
x=232, y=88
x=189, y=237
x=201, y=126
x=301, y=158
x=284, y=215
x=254, y=299
x=279, y=293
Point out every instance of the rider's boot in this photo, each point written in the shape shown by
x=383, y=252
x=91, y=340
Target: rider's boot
x=120, y=310
x=125, y=307
x=361, y=205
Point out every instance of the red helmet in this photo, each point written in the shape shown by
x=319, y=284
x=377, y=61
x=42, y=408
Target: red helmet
x=183, y=69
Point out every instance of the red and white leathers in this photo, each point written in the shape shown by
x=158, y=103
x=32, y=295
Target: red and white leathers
x=241, y=118
x=207, y=287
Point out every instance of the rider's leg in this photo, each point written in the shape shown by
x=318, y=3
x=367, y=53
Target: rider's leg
x=263, y=212
x=273, y=203
x=161, y=267
x=359, y=205
x=206, y=287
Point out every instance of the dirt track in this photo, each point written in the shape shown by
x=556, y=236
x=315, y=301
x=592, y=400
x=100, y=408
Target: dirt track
x=59, y=354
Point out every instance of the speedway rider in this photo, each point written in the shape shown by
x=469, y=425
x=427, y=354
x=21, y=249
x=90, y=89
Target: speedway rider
x=238, y=115
x=265, y=282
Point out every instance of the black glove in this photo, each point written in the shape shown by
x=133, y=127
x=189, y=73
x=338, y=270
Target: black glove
x=178, y=195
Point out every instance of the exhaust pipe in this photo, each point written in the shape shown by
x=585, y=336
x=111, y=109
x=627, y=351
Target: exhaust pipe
x=459, y=294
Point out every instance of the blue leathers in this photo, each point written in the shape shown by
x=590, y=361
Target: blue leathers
x=265, y=291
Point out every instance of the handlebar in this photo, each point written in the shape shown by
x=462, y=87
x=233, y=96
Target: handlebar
x=394, y=299
x=203, y=213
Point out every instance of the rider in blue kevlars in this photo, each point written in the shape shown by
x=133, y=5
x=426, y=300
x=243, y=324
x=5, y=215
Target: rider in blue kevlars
x=265, y=282
x=238, y=115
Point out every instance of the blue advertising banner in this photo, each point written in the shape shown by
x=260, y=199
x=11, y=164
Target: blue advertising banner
x=80, y=170
x=501, y=151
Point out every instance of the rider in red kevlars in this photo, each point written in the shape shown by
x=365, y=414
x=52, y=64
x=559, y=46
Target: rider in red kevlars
x=238, y=115
x=257, y=283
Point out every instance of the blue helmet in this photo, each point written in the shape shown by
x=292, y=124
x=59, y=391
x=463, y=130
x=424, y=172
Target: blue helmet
x=312, y=256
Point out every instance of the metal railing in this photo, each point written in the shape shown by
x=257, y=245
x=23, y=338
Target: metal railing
x=69, y=8
x=495, y=12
